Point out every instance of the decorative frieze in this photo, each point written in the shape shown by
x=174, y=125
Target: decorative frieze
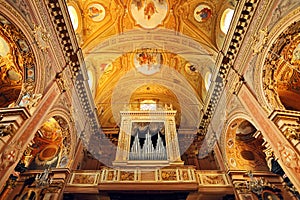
x=85, y=178
x=211, y=179
x=158, y=175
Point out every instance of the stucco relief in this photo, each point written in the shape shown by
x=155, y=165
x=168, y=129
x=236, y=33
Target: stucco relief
x=283, y=8
x=289, y=157
x=10, y=154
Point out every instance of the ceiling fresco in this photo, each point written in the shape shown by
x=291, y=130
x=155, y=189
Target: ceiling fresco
x=158, y=50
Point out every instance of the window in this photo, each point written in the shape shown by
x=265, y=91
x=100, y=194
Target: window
x=226, y=20
x=148, y=105
x=73, y=16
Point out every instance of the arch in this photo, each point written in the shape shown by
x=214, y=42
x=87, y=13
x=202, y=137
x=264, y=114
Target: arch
x=29, y=56
x=11, y=73
x=65, y=115
x=188, y=101
x=51, y=145
x=242, y=150
x=230, y=119
x=264, y=72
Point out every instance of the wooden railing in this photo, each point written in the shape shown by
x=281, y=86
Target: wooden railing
x=159, y=175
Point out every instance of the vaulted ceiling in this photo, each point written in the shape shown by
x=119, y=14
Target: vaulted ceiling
x=161, y=50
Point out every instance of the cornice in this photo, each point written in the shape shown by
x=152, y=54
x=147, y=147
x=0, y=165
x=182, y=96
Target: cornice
x=226, y=58
x=85, y=108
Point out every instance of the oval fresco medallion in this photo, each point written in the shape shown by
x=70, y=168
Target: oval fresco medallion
x=202, y=13
x=149, y=13
x=147, y=61
x=96, y=12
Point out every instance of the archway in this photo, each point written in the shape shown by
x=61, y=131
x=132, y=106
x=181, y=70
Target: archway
x=50, y=148
x=281, y=77
x=243, y=151
x=17, y=64
x=251, y=163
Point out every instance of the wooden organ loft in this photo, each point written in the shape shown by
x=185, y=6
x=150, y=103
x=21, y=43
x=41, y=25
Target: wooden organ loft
x=230, y=70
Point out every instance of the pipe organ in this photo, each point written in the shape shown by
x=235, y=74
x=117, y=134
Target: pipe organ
x=148, y=138
x=148, y=152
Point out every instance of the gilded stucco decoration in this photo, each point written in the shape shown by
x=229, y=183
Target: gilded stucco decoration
x=41, y=36
x=6, y=130
x=17, y=63
x=260, y=40
x=281, y=73
x=85, y=179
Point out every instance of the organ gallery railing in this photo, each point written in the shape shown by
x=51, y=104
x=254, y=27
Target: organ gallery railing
x=163, y=175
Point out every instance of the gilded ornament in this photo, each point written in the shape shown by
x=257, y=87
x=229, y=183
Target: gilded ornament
x=169, y=175
x=84, y=179
x=126, y=176
x=29, y=101
x=7, y=130
x=289, y=157
x=291, y=133
x=10, y=155
x=260, y=39
x=213, y=180
x=42, y=37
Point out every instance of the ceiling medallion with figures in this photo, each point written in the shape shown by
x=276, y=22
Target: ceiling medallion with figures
x=96, y=12
x=202, y=13
x=147, y=61
x=149, y=13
